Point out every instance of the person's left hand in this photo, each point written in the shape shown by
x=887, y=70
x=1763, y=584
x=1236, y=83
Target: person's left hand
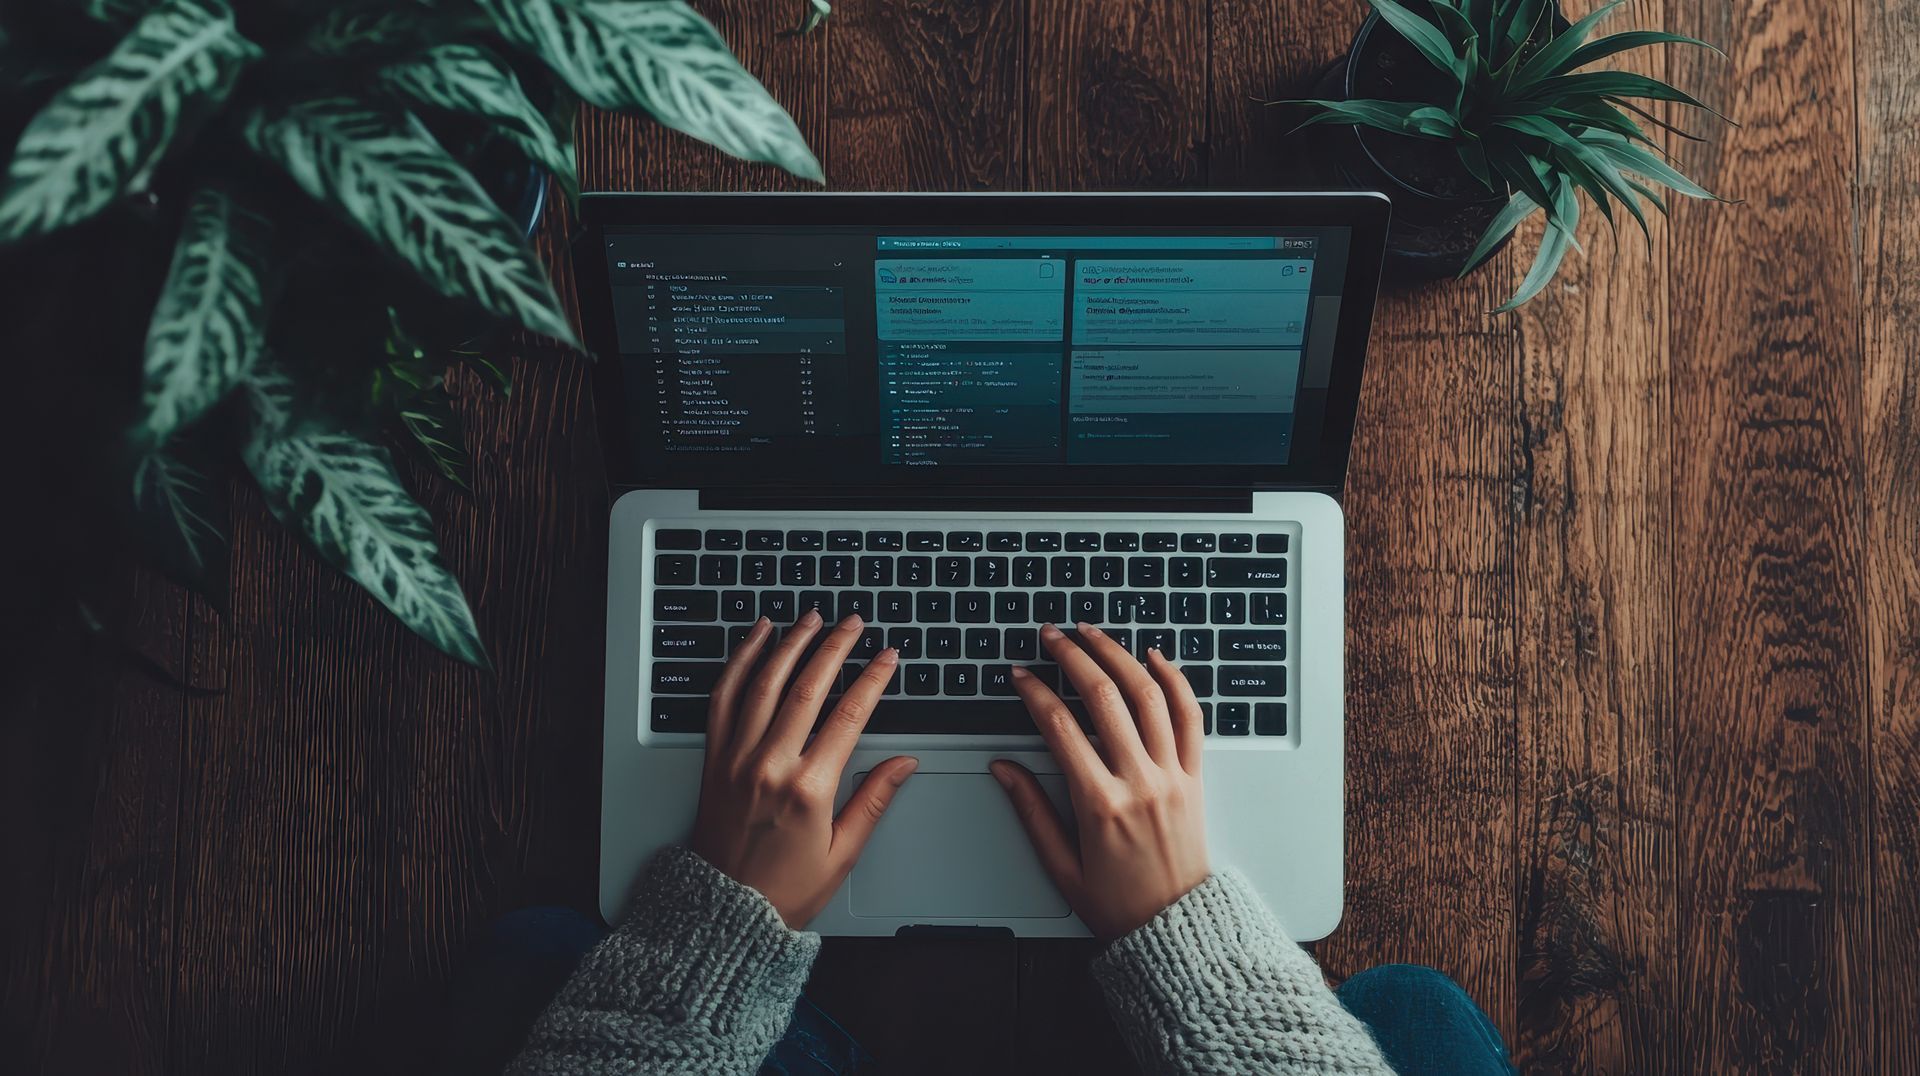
x=766, y=797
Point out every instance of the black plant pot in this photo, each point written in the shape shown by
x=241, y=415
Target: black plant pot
x=1439, y=209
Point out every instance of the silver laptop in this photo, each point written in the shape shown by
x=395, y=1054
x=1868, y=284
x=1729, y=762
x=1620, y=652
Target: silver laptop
x=962, y=417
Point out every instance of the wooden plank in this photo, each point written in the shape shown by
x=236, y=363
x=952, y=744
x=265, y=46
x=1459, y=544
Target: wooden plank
x=1116, y=94
x=1770, y=751
x=1262, y=52
x=924, y=97
x=1594, y=637
x=1889, y=228
x=89, y=784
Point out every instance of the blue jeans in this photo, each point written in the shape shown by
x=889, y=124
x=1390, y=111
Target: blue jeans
x=1422, y=1020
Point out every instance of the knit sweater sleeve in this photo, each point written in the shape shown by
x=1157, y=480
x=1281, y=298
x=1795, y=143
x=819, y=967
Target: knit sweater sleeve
x=701, y=978
x=1212, y=985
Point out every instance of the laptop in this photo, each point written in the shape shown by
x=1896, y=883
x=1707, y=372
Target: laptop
x=962, y=417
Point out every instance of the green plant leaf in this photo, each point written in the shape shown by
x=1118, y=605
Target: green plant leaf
x=342, y=494
x=116, y=12
x=470, y=79
x=663, y=57
x=208, y=324
x=1614, y=44
x=1518, y=208
x=1586, y=85
x=181, y=516
x=1631, y=158
x=1622, y=102
x=354, y=33
x=1553, y=246
x=101, y=137
x=1400, y=117
x=436, y=428
x=1553, y=55
x=1473, y=157
x=1426, y=38
x=388, y=176
x=1514, y=26
x=490, y=371
x=812, y=14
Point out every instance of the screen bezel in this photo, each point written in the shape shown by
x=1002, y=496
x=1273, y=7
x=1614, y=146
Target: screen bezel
x=1365, y=213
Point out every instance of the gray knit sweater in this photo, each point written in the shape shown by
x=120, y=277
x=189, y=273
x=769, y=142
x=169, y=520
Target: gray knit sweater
x=703, y=976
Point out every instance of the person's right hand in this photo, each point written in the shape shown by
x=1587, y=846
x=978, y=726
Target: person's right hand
x=1142, y=839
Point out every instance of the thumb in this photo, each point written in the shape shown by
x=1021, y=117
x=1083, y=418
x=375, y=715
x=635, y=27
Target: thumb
x=863, y=809
x=1042, y=823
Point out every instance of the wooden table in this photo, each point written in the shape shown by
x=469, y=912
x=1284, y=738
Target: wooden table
x=1634, y=661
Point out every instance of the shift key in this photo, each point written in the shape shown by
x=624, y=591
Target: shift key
x=1257, y=681
x=689, y=641
x=1253, y=573
x=685, y=677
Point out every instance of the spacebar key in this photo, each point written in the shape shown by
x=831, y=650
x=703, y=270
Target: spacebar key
x=949, y=716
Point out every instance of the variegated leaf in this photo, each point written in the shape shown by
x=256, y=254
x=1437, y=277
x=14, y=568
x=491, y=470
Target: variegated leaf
x=181, y=514
x=663, y=57
x=342, y=494
x=101, y=136
x=468, y=78
x=387, y=175
x=208, y=326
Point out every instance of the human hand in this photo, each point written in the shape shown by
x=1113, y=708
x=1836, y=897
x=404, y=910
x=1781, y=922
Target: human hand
x=766, y=796
x=1142, y=836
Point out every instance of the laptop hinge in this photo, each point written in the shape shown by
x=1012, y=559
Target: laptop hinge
x=983, y=499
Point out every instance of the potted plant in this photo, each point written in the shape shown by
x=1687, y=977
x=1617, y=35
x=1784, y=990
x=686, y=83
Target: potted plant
x=1472, y=115
x=331, y=181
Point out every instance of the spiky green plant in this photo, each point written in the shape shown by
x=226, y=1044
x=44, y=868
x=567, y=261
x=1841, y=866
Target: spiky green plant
x=314, y=167
x=1526, y=121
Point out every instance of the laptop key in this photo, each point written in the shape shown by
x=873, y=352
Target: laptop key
x=1196, y=543
x=871, y=642
x=973, y=607
x=723, y=539
x=1189, y=609
x=1086, y=605
x=1003, y=541
x=1120, y=607
x=926, y=541
x=990, y=572
x=1269, y=719
x=836, y=571
x=672, y=714
x=1266, y=681
x=1121, y=542
x=1107, y=572
x=778, y=606
x=819, y=600
x=1082, y=541
x=982, y=643
x=922, y=679
x=886, y=541
x=1196, y=644
x=876, y=571
x=1269, y=645
x=997, y=680
x=965, y=541
x=906, y=641
x=943, y=642
x=719, y=570
x=963, y=680
x=686, y=605
x=1161, y=639
x=1010, y=607
x=1049, y=607
x=1236, y=543
x=1200, y=678
x=1232, y=718
x=1029, y=571
x=1186, y=572
x=1160, y=542
x=933, y=607
x=766, y=540
x=1069, y=571
x=685, y=677
x=673, y=569
x=856, y=603
x=1150, y=608
x=1022, y=644
x=759, y=570
x=1253, y=573
x=895, y=607
x=1146, y=572
x=952, y=572
x=1269, y=609
x=1043, y=541
x=808, y=540
x=736, y=606
x=687, y=641
x=916, y=571
x=796, y=571
x=843, y=541
x=676, y=539
x=1229, y=609
x=1271, y=543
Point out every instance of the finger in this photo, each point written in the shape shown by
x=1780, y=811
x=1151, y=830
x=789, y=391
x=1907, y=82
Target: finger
x=1105, y=705
x=726, y=691
x=809, y=691
x=763, y=695
x=1063, y=734
x=1043, y=825
x=862, y=811
x=1183, y=710
x=849, y=719
x=1142, y=693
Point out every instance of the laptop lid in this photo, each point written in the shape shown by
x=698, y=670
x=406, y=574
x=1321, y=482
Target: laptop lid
x=1006, y=343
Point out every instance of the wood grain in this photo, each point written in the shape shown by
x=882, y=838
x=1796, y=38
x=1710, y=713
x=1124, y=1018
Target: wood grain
x=1888, y=199
x=1770, y=751
x=1594, y=649
x=1263, y=52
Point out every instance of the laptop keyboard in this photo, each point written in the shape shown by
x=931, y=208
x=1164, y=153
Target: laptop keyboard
x=963, y=607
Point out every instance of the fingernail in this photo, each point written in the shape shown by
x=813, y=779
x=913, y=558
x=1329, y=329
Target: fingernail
x=853, y=621
x=1020, y=673
x=907, y=770
x=812, y=617
x=1002, y=774
x=889, y=654
x=1051, y=632
x=1087, y=629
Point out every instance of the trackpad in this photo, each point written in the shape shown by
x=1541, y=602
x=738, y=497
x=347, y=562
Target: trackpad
x=950, y=847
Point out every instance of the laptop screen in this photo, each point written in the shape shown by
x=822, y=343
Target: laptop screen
x=890, y=355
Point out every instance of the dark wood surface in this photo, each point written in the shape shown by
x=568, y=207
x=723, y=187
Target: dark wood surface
x=1634, y=617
